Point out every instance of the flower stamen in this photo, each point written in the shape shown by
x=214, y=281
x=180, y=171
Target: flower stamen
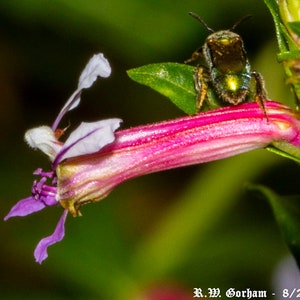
x=43, y=192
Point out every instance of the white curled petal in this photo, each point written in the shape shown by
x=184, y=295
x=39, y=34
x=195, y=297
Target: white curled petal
x=89, y=138
x=98, y=65
x=43, y=138
x=74, y=100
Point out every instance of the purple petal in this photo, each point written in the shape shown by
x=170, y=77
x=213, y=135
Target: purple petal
x=40, y=252
x=25, y=207
x=89, y=138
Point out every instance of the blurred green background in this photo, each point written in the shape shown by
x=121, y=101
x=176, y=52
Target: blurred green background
x=185, y=228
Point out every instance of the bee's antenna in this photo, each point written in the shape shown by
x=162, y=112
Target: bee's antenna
x=201, y=21
x=238, y=22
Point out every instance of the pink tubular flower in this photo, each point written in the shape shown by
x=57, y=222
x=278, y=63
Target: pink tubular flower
x=94, y=159
x=185, y=141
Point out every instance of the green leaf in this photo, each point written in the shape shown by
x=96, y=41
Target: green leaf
x=273, y=7
x=172, y=80
x=175, y=81
x=288, y=55
x=289, y=50
x=286, y=150
x=295, y=27
x=285, y=42
x=287, y=214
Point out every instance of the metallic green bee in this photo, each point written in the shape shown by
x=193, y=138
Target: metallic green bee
x=227, y=69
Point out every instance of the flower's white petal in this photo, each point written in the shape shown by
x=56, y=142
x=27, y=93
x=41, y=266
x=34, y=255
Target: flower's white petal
x=74, y=100
x=43, y=138
x=98, y=65
x=89, y=138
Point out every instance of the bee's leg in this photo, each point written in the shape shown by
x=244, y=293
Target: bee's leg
x=196, y=54
x=200, y=78
x=260, y=93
